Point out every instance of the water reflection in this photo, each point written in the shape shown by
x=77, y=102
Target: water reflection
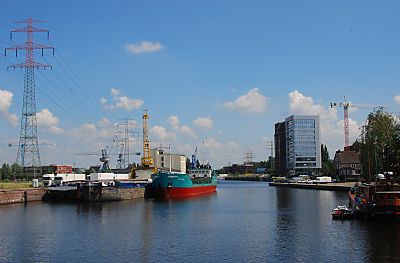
x=243, y=222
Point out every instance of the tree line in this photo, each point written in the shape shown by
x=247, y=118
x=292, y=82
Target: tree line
x=11, y=172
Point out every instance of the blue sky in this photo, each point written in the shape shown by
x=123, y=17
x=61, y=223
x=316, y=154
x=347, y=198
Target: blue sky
x=214, y=74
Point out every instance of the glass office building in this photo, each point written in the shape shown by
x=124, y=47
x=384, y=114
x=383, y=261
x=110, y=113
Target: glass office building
x=302, y=148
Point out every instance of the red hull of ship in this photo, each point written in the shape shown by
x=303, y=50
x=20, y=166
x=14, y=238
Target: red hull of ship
x=181, y=192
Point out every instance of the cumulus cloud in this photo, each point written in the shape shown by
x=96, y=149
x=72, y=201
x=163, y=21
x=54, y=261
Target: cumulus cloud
x=56, y=130
x=253, y=101
x=204, y=123
x=212, y=143
x=162, y=134
x=174, y=122
x=104, y=122
x=302, y=105
x=331, y=126
x=184, y=129
x=46, y=118
x=143, y=47
x=95, y=135
x=5, y=103
x=121, y=102
x=85, y=130
x=219, y=153
x=397, y=99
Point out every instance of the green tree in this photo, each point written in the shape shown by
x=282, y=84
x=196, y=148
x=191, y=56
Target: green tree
x=6, y=172
x=380, y=148
x=327, y=166
x=16, y=171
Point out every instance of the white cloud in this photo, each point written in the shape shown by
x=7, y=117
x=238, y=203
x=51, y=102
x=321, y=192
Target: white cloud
x=86, y=129
x=95, y=134
x=162, y=134
x=45, y=118
x=219, y=153
x=397, y=99
x=174, y=122
x=5, y=100
x=121, y=102
x=56, y=130
x=212, y=143
x=253, y=102
x=184, y=129
x=331, y=126
x=5, y=103
x=115, y=92
x=104, y=122
x=143, y=47
x=204, y=123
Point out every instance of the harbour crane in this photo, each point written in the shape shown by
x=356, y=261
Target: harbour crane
x=147, y=160
x=346, y=105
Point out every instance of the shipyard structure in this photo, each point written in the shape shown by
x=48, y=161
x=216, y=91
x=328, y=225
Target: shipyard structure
x=298, y=146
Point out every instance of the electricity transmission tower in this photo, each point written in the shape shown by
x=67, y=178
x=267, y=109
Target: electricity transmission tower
x=124, y=155
x=248, y=157
x=270, y=146
x=28, y=148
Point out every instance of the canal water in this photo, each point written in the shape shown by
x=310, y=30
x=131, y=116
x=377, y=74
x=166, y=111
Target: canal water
x=242, y=222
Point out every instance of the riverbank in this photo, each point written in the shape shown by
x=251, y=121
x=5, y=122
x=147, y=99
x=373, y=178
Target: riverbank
x=345, y=187
x=15, y=185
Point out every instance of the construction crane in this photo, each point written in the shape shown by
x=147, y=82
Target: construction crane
x=147, y=160
x=346, y=105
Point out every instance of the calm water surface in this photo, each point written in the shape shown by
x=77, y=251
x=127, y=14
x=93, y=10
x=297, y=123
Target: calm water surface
x=242, y=222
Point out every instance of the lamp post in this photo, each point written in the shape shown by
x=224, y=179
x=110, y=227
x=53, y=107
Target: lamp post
x=170, y=158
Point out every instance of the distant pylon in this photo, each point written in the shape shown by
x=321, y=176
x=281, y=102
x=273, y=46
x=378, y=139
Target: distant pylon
x=28, y=149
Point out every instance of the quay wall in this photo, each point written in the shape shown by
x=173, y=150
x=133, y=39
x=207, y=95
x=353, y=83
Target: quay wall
x=21, y=195
x=345, y=187
x=122, y=193
x=244, y=178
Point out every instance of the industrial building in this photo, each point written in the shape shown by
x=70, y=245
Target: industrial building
x=298, y=146
x=56, y=169
x=163, y=160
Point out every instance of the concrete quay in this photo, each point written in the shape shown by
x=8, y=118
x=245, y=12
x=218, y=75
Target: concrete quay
x=21, y=195
x=345, y=187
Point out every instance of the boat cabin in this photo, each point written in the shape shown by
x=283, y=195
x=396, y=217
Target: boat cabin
x=201, y=173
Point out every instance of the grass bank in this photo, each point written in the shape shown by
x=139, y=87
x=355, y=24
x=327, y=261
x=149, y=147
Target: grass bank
x=15, y=185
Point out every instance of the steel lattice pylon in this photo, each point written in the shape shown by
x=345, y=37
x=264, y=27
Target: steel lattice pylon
x=28, y=148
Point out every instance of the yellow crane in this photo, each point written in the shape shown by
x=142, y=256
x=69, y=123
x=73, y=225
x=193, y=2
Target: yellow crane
x=147, y=160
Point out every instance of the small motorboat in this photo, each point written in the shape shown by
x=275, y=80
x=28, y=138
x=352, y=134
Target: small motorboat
x=342, y=212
